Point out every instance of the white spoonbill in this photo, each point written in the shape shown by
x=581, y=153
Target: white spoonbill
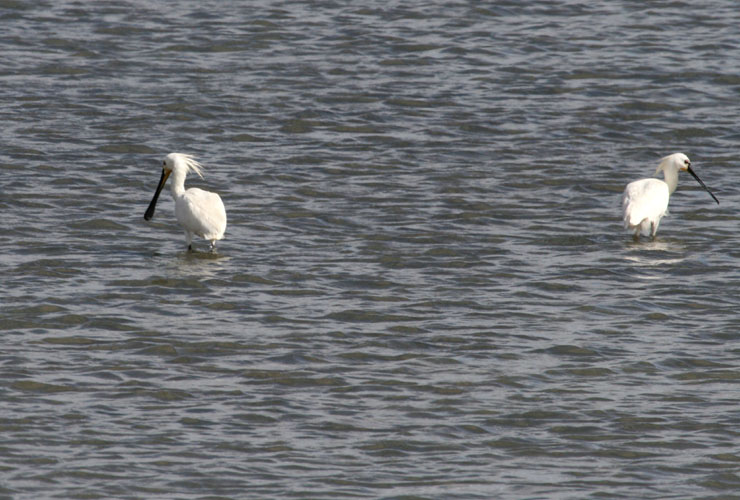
x=645, y=202
x=198, y=212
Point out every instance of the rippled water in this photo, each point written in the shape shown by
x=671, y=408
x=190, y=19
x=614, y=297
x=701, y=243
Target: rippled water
x=424, y=290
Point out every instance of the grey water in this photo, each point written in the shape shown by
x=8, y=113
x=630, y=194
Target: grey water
x=425, y=290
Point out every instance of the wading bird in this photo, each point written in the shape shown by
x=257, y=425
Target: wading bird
x=199, y=212
x=645, y=202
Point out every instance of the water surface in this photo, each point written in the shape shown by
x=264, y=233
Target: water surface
x=424, y=290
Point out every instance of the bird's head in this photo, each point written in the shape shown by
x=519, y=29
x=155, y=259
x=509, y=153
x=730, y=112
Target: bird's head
x=679, y=162
x=178, y=163
x=183, y=162
x=676, y=161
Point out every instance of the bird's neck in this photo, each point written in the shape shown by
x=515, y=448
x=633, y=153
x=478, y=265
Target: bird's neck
x=671, y=178
x=177, y=184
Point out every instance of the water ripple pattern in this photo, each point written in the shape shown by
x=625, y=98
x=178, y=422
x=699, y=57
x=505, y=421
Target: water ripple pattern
x=424, y=290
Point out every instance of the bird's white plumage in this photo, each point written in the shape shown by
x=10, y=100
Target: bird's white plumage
x=644, y=203
x=199, y=212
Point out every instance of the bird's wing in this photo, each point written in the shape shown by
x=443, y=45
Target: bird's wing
x=202, y=213
x=644, y=198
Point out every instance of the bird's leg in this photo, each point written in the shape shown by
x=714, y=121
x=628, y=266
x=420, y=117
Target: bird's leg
x=189, y=240
x=213, y=245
